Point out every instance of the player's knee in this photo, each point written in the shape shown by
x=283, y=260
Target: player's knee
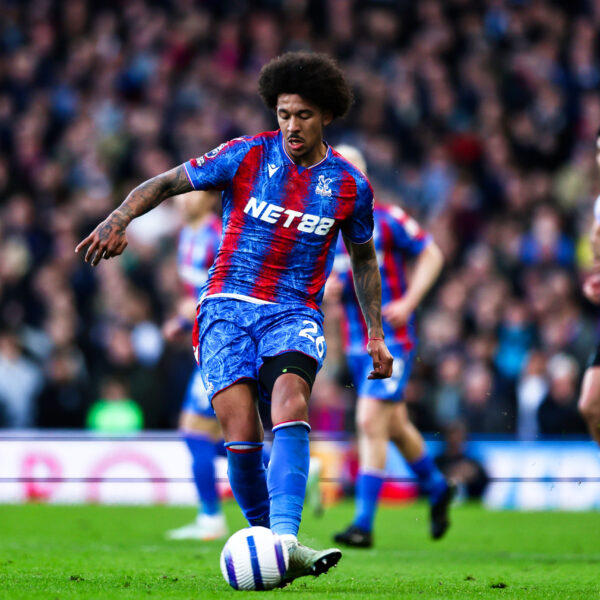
x=289, y=399
x=236, y=429
x=199, y=424
x=370, y=426
x=188, y=421
x=238, y=420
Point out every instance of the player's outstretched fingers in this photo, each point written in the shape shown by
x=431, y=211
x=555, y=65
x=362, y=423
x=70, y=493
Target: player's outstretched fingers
x=83, y=243
x=92, y=252
x=100, y=254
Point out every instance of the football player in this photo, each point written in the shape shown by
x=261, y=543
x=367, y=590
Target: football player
x=381, y=415
x=286, y=194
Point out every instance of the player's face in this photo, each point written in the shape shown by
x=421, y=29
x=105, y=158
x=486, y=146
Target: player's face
x=598, y=150
x=301, y=124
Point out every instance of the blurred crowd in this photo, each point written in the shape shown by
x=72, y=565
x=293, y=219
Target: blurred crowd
x=478, y=117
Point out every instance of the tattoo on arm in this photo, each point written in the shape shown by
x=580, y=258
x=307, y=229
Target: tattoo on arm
x=152, y=192
x=115, y=223
x=367, y=283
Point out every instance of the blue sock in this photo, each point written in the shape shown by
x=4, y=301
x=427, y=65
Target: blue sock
x=431, y=481
x=247, y=477
x=287, y=474
x=202, y=450
x=368, y=488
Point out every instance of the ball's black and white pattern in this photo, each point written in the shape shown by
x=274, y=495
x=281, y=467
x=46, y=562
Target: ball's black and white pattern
x=254, y=559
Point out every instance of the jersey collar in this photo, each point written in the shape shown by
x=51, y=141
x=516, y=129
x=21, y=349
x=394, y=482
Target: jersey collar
x=300, y=168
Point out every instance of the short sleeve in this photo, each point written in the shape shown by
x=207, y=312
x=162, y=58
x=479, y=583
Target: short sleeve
x=359, y=227
x=216, y=169
x=407, y=233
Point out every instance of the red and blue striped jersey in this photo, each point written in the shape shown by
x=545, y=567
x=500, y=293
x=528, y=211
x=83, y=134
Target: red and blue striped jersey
x=397, y=237
x=196, y=251
x=280, y=220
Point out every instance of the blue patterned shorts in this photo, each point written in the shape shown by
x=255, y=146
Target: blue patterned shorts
x=233, y=338
x=391, y=389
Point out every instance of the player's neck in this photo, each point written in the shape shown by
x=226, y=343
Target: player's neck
x=316, y=155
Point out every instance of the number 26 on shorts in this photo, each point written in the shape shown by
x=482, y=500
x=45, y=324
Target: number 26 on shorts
x=309, y=330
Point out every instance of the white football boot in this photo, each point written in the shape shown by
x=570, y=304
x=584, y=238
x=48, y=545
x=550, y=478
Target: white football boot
x=205, y=527
x=306, y=561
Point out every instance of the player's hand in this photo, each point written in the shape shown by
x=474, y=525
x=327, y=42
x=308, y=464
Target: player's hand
x=107, y=240
x=382, y=360
x=591, y=288
x=397, y=313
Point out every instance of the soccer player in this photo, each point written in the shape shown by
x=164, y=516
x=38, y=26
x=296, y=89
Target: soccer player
x=196, y=250
x=589, y=397
x=286, y=195
x=381, y=415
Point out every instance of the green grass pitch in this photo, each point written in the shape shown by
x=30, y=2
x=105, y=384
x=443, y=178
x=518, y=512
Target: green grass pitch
x=104, y=552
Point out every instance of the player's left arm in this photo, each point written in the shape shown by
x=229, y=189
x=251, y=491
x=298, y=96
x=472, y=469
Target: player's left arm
x=367, y=283
x=427, y=268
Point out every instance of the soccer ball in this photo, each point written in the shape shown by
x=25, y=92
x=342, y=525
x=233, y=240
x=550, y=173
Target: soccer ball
x=254, y=559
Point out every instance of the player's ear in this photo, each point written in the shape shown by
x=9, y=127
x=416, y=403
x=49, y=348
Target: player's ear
x=327, y=117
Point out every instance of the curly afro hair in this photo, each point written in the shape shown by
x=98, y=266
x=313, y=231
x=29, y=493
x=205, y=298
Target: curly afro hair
x=315, y=77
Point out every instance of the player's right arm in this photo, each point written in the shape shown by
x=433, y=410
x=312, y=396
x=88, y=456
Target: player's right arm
x=427, y=268
x=358, y=238
x=408, y=238
x=108, y=239
x=367, y=284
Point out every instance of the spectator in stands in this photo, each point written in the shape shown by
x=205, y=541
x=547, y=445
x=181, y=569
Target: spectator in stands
x=21, y=380
x=115, y=411
x=558, y=414
x=532, y=388
x=455, y=463
x=481, y=119
x=485, y=409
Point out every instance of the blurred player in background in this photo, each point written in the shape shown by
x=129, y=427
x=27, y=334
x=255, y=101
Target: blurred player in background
x=286, y=195
x=197, y=247
x=381, y=415
x=589, y=398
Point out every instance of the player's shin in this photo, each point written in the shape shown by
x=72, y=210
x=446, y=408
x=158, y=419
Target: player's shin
x=247, y=477
x=431, y=481
x=202, y=450
x=287, y=475
x=368, y=489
